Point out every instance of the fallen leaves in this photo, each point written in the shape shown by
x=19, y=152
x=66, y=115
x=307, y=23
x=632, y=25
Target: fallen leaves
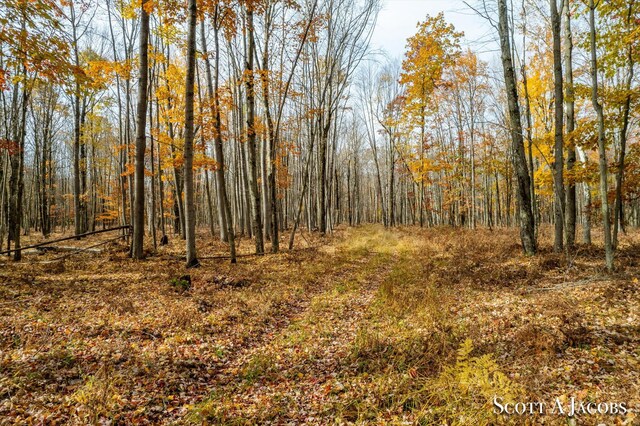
x=354, y=332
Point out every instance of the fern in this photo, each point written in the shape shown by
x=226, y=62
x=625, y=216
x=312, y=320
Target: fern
x=463, y=393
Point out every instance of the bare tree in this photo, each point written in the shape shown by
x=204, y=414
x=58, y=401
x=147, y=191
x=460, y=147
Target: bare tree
x=602, y=152
x=558, y=165
x=141, y=145
x=523, y=189
x=251, y=131
x=189, y=196
x=569, y=100
x=213, y=85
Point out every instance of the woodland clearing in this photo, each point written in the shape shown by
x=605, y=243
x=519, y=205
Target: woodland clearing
x=368, y=326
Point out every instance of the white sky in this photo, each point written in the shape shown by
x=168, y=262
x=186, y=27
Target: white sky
x=398, y=19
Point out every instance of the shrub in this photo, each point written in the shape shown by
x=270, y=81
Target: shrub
x=182, y=283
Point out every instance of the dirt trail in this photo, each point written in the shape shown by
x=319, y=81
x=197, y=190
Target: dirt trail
x=295, y=376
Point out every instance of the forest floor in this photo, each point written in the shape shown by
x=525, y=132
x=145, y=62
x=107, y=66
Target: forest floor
x=378, y=326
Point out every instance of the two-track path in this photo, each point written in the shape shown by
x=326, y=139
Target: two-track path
x=293, y=374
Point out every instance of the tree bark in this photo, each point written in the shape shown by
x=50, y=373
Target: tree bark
x=570, y=208
x=558, y=166
x=251, y=136
x=190, y=207
x=141, y=145
x=523, y=192
x=602, y=153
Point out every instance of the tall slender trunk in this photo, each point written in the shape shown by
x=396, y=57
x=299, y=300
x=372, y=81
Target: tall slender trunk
x=212, y=92
x=273, y=148
x=392, y=169
x=523, y=192
x=44, y=162
x=121, y=152
x=570, y=208
x=251, y=136
x=77, y=133
x=529, y=121
x=558, y=166
x=322, y=179
x=141, y=145
x=153, y=217
x=223, y=199
x=602, y=153
x=618, y=220
x=422, y=177
x=16, y=181
x=189, y=196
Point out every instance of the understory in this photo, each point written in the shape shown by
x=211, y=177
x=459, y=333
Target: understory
x=371, y=325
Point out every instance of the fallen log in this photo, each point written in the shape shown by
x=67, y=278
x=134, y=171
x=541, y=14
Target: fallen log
x=74, y=237
x=75, y=250
x=90, y=248
x=69, y=248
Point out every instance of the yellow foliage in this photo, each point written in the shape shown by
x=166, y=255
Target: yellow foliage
x=463, y=393
x=98, y=396
x=129, y=9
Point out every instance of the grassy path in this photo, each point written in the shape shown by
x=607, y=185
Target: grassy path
x=295, y=376
x=315, y=369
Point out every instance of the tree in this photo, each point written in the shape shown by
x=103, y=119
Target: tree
x=32, y=48
x=430, y=51
x=226, y=223
x=619, y=33
x=558, y=152
x=189, y=196
x=602, y=152
x=141, y=128
x=569, y=99
x=523, y=189
x=251, y=129
x=294, y=139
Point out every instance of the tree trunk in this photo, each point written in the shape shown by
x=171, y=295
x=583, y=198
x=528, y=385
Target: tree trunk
x=138, y=208
x=77, y=135
x=251, y=136
x=190, y=207
x=558, y=166
x=153, y=218
x=223, y=199
x=570, y=208
x=213, y=92
x=322, y=180
x=523, y=192
x=618, y=221
x=273, y=148
x=602, y=153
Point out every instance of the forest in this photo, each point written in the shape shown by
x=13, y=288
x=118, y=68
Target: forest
x=245, y=212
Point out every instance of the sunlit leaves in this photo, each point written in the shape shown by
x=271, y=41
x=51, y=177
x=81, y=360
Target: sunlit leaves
x=430, y=51
x=128, y=9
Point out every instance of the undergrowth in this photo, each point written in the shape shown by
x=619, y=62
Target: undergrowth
x=377, y=326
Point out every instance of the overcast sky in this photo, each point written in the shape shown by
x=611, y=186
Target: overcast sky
x=398, y=19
